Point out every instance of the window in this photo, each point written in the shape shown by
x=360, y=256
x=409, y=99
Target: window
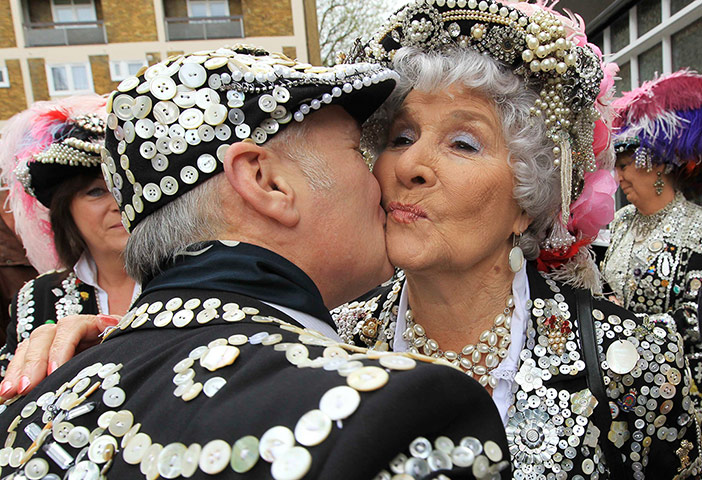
x=121, y=69
x=67, y=11
x=648, y=15
x=685, y=45
x=208, y=8
x=650, y=63
x=620, y=33
x=677, y=5
x=69, y=78
x=623, y=84
x=4, y=77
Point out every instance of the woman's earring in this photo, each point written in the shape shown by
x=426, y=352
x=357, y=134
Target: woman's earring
x=516, y=255
x=659, y=184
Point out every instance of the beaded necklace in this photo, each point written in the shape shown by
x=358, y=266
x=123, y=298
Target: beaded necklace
x=477, y=360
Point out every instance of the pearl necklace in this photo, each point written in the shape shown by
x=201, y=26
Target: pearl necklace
x=477, y=360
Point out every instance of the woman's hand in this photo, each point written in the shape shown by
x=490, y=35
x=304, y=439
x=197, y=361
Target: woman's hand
x=49, y=347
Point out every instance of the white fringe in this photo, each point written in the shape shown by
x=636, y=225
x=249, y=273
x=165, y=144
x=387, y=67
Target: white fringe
x=580, y=272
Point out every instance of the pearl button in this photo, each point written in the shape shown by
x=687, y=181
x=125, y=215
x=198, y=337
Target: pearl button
x=206, y=163
x=163, y=88
x=122, y=107
x=183, y=318
x=191, y=118
x=152, y=193
x=236, y=116
x=242, y=131
x=367, y=379
x=102, y=449
x=235, y=99
x=292, y=464
x=170, y=460
x=129, y=133
x=206, y=133
x=166, y=112
x=178, y=145
x=340, y=402
x=276, y=441
x=206, y=97
x=267, y=103
x=142, y=106
x=189, y=174
x=159, y=162
x=313, y=428
x=223, y=132
x=185, y=98
x=169, y=185
x=245, y=454
x=215, y=456
x=215, y=114
x=192, y=75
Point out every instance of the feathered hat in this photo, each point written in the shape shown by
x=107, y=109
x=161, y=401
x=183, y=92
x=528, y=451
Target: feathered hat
x=39, y=149
x=661, y=121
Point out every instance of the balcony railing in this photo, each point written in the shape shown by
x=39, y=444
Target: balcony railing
x=65, y=33
x=204, y=28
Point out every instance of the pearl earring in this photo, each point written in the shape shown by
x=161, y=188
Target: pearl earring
x=516, y=255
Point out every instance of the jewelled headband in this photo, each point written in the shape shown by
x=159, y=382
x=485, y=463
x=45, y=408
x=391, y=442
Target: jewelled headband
x=547, y=49
x=78, y=143
x=170, y=126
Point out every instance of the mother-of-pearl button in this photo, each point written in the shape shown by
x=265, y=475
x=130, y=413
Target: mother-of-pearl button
x=223, y=132
x=85, y=470
x=178, y=145
x=622, y=357
x=159, y=162
x=192, y=137
x=191, y=118
x=493, y=451
x=215, y=456
x=184, y=98
x=192, y=75
x=36, y=468
x=206, y=97
x=78, y=437
x=144, y=128
x=397, y=362
x=215, y=114
x=206, y=163
x=102, y=449
x=114, y=397
x=267, y=103
x=236, y=116
x=219, y=356
x=166, y=112
x=313, y=428
x=169, y=185
x=121, y=423
x=367, y=379
x=170, y=460
x=128, y=84
x=242, y=131
x=148, y=150
x=122, y=107
x=142, y=106
x=276, y=441
x=340, y=402
x=152, y=193
x=245, y=454
x=148, y=465
x=292, y=465
x=163, y=88
x=235, y=99
x=213, y=385
x=281, y=94
x=190, y=460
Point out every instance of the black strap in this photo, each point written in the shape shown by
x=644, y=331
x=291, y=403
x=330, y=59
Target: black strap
x=601, y=415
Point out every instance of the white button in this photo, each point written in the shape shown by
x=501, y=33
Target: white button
x=462, y=456
x=178, y=145
x=235, y=99
x=215, y=81
x=242, y=131
x=236, y=116
x=270, y=126
x=212, y=303
x=297, y=354
x=170, y=460
x=163, y=88
x=85, y=470
x=154, y=71
x=112, y=121
x=292, y=465
x=174, y=304
x=237, y=339
x=130, y=176
x=163, y=318
x=245, y=454
x=102, y=449
x=124, y=161
x=122, y=106
x=121, y=423
x=259, y=135
x=166, y=112
x=215, y=63
x=163, y=145
x=215, y=114
x=189, y=174
x=129, y=210
x=206, y=315
x=137, y=203
x=192, y=304
x=176, y=130
x=114, y=397
x=159, y=162
x=192, y=137
x=340, y=402
x=136, y=448
x=192, y=75
x=206, y=163
x=117, y=180
x=218, y=357
x=183, y=318
x=313, y=428
x=169, y=185
x=493, y=451
x=206, y=97
x=267, y=103
x=160, y=130
x=233, y=315
x=144, y=128
x=215, y=457
x=144, y=87
x=367, y=379
x=397, y=362
x=140, y=320
x=222, y=152
x=275, y=442
x=78, y=437
x=223, y=132
x=190, y=460
x=149, y=465
x=152, y=193
x=191, y=118
x=206, y=133
x=185, y=98
x=142, y=106
x=129, y=133
x=147, y=150
x=279, y=112
x=281, y=94
x=36, y=468
x=213, y=385
x=128, y=84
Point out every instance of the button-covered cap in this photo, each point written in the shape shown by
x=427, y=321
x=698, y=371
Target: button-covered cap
x=169, y=127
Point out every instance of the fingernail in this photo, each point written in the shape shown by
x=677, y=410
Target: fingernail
x=108, y=320
x=5, y=387
x=52, y=366
x=24, y=384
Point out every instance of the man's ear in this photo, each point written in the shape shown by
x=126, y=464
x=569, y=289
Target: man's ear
x=256, y=174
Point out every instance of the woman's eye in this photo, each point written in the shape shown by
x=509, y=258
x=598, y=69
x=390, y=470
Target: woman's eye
x=466, y=142
x=401, y=139
x=96, y=192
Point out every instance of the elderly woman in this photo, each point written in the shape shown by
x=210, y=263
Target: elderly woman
x=654, y=262
x=65, y=216
x=494, y=145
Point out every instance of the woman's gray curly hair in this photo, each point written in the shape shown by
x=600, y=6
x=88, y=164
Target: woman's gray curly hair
x=537, y=187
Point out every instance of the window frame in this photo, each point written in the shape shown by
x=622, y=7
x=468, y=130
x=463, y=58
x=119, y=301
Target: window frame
x=209, y=10
x=123, y=67
x=73, y=8
x=69, y=78
x=5, y=80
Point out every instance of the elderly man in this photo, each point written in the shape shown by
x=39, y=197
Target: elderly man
x=246, y=227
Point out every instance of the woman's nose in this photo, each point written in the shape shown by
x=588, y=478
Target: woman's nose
x=413, y=167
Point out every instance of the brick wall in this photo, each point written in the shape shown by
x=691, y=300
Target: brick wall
x=100, y=66
x=130, y=20
x=7, y=31
x=235, y=7
x=13, y=99
x=272, y=18
x=37, y=74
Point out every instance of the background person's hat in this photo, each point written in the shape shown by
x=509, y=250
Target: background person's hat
x=170, y=126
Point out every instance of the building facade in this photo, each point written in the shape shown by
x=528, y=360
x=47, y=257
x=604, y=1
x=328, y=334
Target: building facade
x=644, y=37
x=54, y=48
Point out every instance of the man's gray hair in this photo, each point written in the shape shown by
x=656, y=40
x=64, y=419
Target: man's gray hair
x=536, y=180
x=196, y=216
